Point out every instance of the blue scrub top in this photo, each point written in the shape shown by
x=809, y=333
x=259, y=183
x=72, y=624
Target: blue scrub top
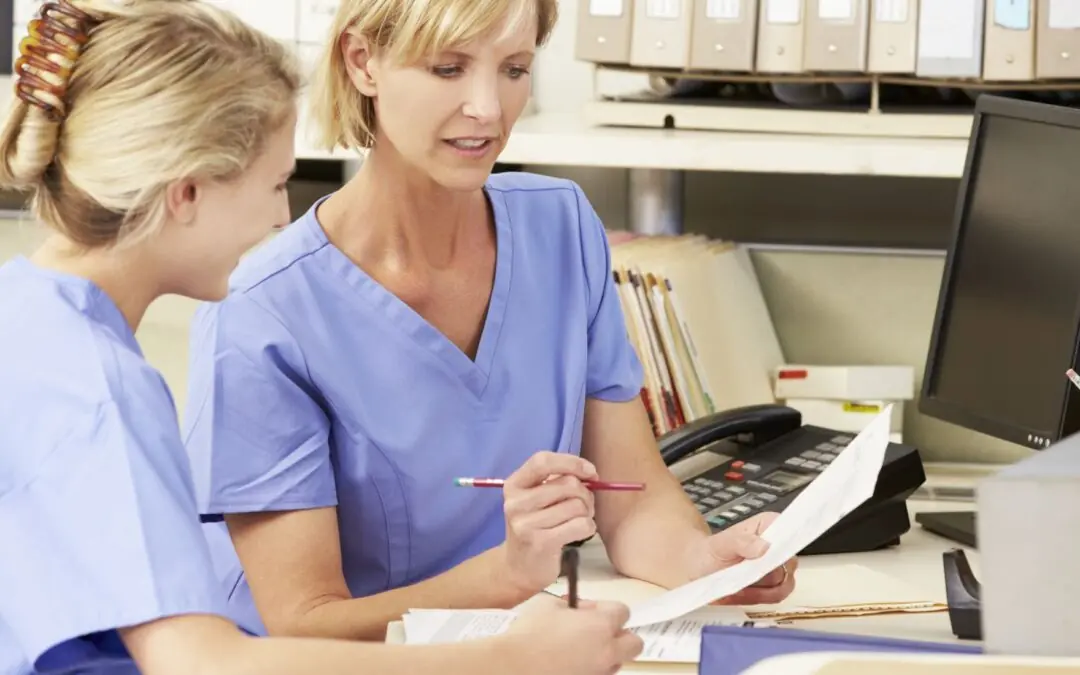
x=313, y=386
x=98, y=522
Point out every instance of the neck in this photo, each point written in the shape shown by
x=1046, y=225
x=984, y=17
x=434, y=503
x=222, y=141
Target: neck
x=390, y=213
x=122, y=275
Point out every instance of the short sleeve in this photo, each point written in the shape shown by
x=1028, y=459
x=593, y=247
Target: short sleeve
x=256, y=437
x=103, y=535
x=614, y=370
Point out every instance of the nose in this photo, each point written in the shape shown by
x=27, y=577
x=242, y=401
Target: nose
x=482, y=101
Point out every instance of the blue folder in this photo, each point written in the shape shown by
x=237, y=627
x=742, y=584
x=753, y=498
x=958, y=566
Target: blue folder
x=729, y=650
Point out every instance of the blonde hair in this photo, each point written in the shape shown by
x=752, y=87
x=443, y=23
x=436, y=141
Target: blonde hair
x=405, y=31
x=163, y=90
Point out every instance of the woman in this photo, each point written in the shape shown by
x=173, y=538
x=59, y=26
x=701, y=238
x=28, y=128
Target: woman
x=425, y=322
x=157, y=138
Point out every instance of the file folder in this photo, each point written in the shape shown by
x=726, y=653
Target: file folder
x=1010, y=41
x=781, y=36
x=724, y=35
x=1057, y=51
x=728, y=650
x=894, y=26
x=950, y=39
x=837, y=34
x=661, y=33
x=603, y=31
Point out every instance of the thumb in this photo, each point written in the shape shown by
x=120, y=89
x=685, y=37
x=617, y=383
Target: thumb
x=746, y=545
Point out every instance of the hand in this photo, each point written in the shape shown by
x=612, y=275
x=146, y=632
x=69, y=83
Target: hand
x=547, y=506
x=549, y=638
x=739, y=542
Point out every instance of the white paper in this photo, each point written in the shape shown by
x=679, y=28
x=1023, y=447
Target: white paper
x=836, y=10
x=1064, y=14
x=676, y=641
x=947, y=29
x=315, y=19
x=24, y=11
x=891, y=11
x=1013, y=14
x=783, y=11
x=662, y=9
x=847, y=482
x=723, y=10
x=605, y=7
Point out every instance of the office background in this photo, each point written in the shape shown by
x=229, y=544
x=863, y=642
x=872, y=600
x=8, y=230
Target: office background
x=849, y=265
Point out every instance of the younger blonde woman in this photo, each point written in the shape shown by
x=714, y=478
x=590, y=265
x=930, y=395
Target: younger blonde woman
x=156, y=138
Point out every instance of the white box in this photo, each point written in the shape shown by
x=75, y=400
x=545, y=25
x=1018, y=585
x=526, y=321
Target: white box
x=846, y=415
x=845, y=383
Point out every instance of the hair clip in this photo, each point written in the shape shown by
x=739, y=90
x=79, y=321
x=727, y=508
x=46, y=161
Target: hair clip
x=47, y=56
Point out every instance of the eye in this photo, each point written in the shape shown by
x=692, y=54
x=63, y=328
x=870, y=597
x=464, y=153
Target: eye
x=447, y=71
x=517, y=72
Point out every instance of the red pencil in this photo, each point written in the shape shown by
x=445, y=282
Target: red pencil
x=593, y=485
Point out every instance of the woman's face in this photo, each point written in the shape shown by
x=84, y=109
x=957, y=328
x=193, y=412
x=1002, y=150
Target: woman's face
x=449, y=117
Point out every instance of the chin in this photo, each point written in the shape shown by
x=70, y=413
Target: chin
x=463, y=179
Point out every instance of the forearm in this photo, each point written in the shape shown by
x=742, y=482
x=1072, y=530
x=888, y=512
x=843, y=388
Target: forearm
x=649, y=539
x=480, y=582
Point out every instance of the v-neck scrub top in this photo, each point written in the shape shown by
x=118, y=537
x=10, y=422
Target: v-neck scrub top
x=312, y=386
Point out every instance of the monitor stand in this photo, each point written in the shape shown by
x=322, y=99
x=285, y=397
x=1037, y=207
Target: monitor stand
x=958, y=526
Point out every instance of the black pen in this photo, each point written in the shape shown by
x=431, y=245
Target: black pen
x=570, y=571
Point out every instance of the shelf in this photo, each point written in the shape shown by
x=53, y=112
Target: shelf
x=568, y=140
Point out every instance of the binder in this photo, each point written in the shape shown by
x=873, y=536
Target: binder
x=950, y=39
x=1010, y=41
x=837, y=35
x=1057, y=51
x=724, y=35
x=660, y=37
x=603, y=32
x=780, y=36
x=894, y=26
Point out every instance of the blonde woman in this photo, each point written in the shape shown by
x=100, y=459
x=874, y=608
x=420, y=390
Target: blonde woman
x=156, y=138
x=430, y=321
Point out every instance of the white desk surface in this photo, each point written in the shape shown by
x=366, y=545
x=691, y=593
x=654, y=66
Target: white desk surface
x=916, y=564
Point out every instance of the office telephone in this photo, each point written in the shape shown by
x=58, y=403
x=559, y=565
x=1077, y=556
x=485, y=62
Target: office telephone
x=772, y=457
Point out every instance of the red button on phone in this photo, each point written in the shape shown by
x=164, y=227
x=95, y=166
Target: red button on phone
x=737, y=464
x=733, y=475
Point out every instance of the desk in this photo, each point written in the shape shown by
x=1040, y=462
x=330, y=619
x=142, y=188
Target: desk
x=915, y=564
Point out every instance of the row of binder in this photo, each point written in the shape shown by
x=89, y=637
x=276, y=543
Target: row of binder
x=698, y=321
x=992, y=40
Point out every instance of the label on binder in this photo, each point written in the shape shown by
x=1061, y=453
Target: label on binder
x=783, y=11
x=1064, y=14
x=662, y=9
x=891, y=11
x=1013, y=14
x=723, y=10
x=605, y=7
x=836, y=10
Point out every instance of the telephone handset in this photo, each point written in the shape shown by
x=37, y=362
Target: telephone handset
x=769, y=457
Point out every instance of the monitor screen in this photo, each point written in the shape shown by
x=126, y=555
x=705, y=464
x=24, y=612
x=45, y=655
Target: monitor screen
x=1007, y=317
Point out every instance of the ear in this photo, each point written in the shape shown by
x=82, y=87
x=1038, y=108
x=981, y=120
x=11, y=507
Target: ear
x=356, y=51
x=182, y=200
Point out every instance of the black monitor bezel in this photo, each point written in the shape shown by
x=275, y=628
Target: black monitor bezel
x=1069, y=417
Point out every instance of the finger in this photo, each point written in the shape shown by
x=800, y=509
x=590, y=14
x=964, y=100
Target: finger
x=529, y=500
x=616, y=614
x=738, y=544
x=577, y=529
x=761, y=521
x=628, y=646
x=543, y=465
x=552, y=516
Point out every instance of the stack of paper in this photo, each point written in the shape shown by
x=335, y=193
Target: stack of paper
x=670, y=642
x=698, y=321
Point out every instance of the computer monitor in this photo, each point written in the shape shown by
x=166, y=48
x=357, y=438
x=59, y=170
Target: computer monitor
x=1008, y=312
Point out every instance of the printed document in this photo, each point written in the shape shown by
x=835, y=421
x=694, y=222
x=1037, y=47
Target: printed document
x=847, y=482
x=676, y=641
